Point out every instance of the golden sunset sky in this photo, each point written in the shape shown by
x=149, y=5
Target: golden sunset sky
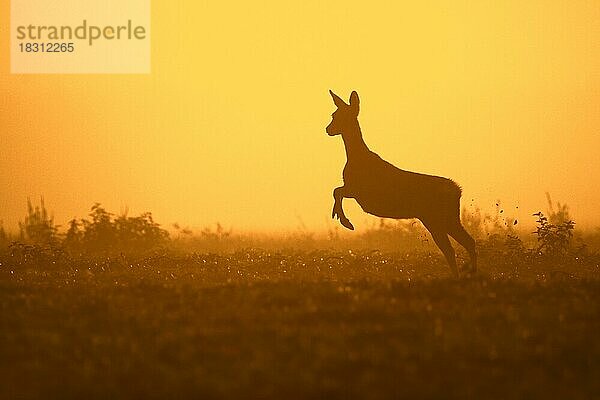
x=229, y=127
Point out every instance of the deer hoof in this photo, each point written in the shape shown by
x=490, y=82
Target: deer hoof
x=346, y=222
x=335, y=214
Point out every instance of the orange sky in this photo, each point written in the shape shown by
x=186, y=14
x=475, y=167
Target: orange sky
x=229, y=126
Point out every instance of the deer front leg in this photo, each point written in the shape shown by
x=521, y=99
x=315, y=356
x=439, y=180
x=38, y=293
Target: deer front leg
x=338, y=212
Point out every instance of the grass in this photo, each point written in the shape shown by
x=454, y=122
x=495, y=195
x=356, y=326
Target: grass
x=298, y=324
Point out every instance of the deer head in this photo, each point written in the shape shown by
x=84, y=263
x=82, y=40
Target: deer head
x=345, y=118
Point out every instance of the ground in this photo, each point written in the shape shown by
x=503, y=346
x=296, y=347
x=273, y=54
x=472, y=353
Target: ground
x=297, y=324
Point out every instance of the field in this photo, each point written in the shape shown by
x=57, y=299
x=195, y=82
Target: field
x=297, y=324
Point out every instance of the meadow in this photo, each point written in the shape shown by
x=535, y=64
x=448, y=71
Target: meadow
x=214, y=315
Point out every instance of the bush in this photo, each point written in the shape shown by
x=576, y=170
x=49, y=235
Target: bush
x=558, y=215
x=104, y=232
x=553, y=239
x=38, y=226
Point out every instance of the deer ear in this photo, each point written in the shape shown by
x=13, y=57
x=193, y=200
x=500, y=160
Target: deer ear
x=354, y=102
x=337, y=100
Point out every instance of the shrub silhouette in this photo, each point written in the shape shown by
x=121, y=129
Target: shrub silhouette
x=104, y=232
x=100, y=233
x=38, y=226
x=558, y=215
x=139, y=232
x=553, y=239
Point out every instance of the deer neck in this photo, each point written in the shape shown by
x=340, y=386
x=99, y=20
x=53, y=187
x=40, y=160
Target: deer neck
x=354, y=143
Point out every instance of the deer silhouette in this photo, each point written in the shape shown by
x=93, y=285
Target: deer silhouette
x=384, y=190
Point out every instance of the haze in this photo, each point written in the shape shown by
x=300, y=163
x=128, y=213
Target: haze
x=230, y=125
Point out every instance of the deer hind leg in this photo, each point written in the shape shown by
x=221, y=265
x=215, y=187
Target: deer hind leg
x=338, y=212
x=440, y=237
x=458, y=232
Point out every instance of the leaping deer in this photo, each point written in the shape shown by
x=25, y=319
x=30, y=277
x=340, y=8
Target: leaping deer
x=383, y=190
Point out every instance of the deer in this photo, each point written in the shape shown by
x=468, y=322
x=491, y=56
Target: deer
x=386, y=191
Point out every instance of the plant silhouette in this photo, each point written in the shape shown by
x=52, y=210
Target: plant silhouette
x=386, y=191
x=38, y=226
